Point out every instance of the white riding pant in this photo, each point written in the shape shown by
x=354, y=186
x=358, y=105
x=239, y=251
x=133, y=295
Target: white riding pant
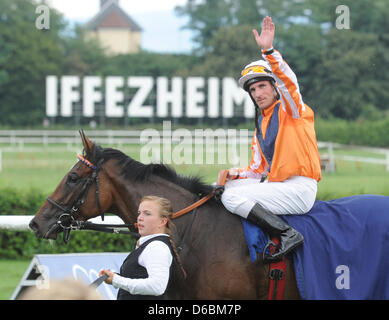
x=295, y=195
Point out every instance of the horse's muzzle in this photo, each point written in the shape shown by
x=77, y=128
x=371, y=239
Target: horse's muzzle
x=41, y=232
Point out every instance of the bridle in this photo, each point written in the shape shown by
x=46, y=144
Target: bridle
x=67, y=221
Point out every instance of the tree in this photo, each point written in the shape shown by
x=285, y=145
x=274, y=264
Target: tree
x=228, y=55
x=331, y=64
x=29, y=55
x=82, y=56
x=207, y=16
x=5, y=51
x=147, y=64
x=348, y=77
x=365, y=16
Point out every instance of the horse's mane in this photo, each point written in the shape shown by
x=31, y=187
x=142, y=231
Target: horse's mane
x=138, y=172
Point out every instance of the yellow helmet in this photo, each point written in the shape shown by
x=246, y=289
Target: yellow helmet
x=254, y=72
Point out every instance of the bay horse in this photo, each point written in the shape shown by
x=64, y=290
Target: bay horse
x=214, y=252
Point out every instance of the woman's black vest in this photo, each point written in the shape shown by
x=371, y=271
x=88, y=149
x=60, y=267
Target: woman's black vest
x=132, y=269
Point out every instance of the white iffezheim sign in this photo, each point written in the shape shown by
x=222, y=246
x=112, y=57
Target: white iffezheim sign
x=192, y=97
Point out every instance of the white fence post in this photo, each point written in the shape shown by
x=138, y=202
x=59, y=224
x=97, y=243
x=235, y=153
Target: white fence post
x=331, y=157
x=387, y=161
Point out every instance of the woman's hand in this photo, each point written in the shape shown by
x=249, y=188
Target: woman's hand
x=265, y=39
x=109, y=273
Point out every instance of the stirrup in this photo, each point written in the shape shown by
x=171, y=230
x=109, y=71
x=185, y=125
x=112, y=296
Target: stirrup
x=265, y=256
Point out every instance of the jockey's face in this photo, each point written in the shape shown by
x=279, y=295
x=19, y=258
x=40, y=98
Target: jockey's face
x=263, y=93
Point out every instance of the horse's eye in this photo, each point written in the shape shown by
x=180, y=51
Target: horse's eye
x=72, y=178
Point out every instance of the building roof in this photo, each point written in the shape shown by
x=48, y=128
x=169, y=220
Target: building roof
x=112, y=16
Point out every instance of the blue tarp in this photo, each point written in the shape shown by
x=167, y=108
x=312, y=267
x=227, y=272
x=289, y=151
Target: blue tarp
x=345, y=254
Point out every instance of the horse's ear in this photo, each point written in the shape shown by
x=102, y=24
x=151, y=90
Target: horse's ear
x=88, y=145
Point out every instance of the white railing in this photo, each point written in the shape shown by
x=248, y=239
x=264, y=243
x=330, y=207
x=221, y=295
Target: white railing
x=20, y=223
x=67, y=137
x=13, y=140
x=330, y=157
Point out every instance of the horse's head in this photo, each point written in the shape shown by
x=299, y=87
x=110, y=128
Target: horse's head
x=82, y=194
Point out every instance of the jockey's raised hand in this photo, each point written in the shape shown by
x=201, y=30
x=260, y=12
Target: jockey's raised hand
x=265, y=39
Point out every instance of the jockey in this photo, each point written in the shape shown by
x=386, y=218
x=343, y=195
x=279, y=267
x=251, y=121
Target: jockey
x=284, y=150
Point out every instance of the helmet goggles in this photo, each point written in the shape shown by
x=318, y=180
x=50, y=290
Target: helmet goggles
x=255, y=69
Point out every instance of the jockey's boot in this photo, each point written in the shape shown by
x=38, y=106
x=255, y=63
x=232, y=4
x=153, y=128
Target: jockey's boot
x=275, y=226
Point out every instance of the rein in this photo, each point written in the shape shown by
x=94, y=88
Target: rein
x=193, y=206
x=67, y=221
x=221, y=181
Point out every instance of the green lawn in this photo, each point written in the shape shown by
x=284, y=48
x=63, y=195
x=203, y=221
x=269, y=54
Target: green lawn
x=41, y=170
x=354, y=178
x=44, y=170
x=11, y=272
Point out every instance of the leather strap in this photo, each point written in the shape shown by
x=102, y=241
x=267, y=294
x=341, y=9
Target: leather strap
x=193, y=206
x=277, y=274
x=221, y=180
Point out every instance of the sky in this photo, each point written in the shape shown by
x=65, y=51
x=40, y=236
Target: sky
x=161, y=27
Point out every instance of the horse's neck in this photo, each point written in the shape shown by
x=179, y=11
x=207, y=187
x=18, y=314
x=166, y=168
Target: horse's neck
x=128, y=195
x=178, y=196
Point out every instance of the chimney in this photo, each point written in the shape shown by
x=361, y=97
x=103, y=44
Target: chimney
x=103, y=2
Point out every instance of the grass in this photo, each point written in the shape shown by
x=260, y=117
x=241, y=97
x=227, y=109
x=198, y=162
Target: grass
x=12, y=272
x=44, y=170
x=354, y=178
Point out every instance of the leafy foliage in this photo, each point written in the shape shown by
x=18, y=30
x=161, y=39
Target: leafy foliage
x=27, y=56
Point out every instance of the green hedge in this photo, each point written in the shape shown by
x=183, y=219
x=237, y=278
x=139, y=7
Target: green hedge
x=362, y=132
x=372, y=133
x=23, y=245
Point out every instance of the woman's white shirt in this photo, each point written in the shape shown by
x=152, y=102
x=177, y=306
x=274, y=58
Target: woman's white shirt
x=157, y=259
